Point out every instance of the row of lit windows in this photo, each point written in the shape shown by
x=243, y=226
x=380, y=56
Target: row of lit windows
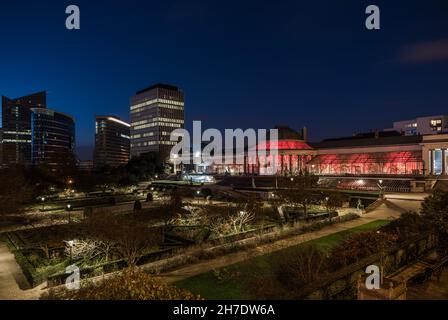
x=153, y=143
x=158, y=124
x=165, y=106
x=16, y=141
x=435, y=122
x=17, y=132
x=146, y=134
x=153, y=101
x=136, y=123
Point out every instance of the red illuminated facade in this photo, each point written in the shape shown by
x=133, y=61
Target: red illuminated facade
x=363, y=155
x=404, y=162
x=291, y=158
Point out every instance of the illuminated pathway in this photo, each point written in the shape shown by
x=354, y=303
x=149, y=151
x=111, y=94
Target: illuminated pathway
x=13, y=284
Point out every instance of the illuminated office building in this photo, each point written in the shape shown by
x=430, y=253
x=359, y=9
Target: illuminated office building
x=112, y=142
x=53, y=138
x=155, y=112
x=16, y=126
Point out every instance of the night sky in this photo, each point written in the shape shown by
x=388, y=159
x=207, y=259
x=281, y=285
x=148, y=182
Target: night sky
x=240, y=63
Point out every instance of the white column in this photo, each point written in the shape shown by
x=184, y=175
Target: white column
x=431, y=162
x=443, y=162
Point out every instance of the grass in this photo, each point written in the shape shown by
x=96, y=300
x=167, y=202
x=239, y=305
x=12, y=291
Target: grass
x=231, y=282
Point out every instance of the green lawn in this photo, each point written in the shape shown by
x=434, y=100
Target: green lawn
x=231, y=282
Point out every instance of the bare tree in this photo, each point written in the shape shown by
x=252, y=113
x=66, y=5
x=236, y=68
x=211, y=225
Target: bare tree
x=299, y=192
x=302, y=267
x=240, y=220
x=126, y=236
x=89, y=249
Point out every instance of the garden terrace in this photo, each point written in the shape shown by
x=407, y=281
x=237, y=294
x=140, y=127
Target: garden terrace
x=235, y=281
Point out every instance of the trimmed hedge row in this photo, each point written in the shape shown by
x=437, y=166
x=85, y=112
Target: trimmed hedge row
x=107, y=267
x=34, y=277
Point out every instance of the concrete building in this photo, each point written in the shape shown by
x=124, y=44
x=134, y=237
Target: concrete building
x=155, y=112
x=112, y=142
x=422, y=125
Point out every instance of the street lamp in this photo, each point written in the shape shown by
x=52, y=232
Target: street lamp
x=43, y=203
x=380, y=186
x=69, y=206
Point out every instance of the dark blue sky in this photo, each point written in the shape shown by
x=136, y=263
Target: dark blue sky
x=240, y=63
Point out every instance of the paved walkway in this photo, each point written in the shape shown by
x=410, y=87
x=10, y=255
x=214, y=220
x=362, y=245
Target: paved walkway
x=13, y=284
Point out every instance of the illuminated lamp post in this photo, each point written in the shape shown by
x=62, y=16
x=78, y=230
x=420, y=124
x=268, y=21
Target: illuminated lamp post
x=43, y=203
x=198, y=193
x=380, y=186
x=69, y=207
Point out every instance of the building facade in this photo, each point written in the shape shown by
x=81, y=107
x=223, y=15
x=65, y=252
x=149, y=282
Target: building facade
x=53, y=138
x=383, y=154
x=422, y=125
x=435, y=154
x=155, y=112
x=112, y=142
x=375, y=155
x=16, y=126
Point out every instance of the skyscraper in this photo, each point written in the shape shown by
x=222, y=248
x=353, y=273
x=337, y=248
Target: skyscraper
x=112, y=142
x=16, y=125
x=155, y=112
x=53, y=138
